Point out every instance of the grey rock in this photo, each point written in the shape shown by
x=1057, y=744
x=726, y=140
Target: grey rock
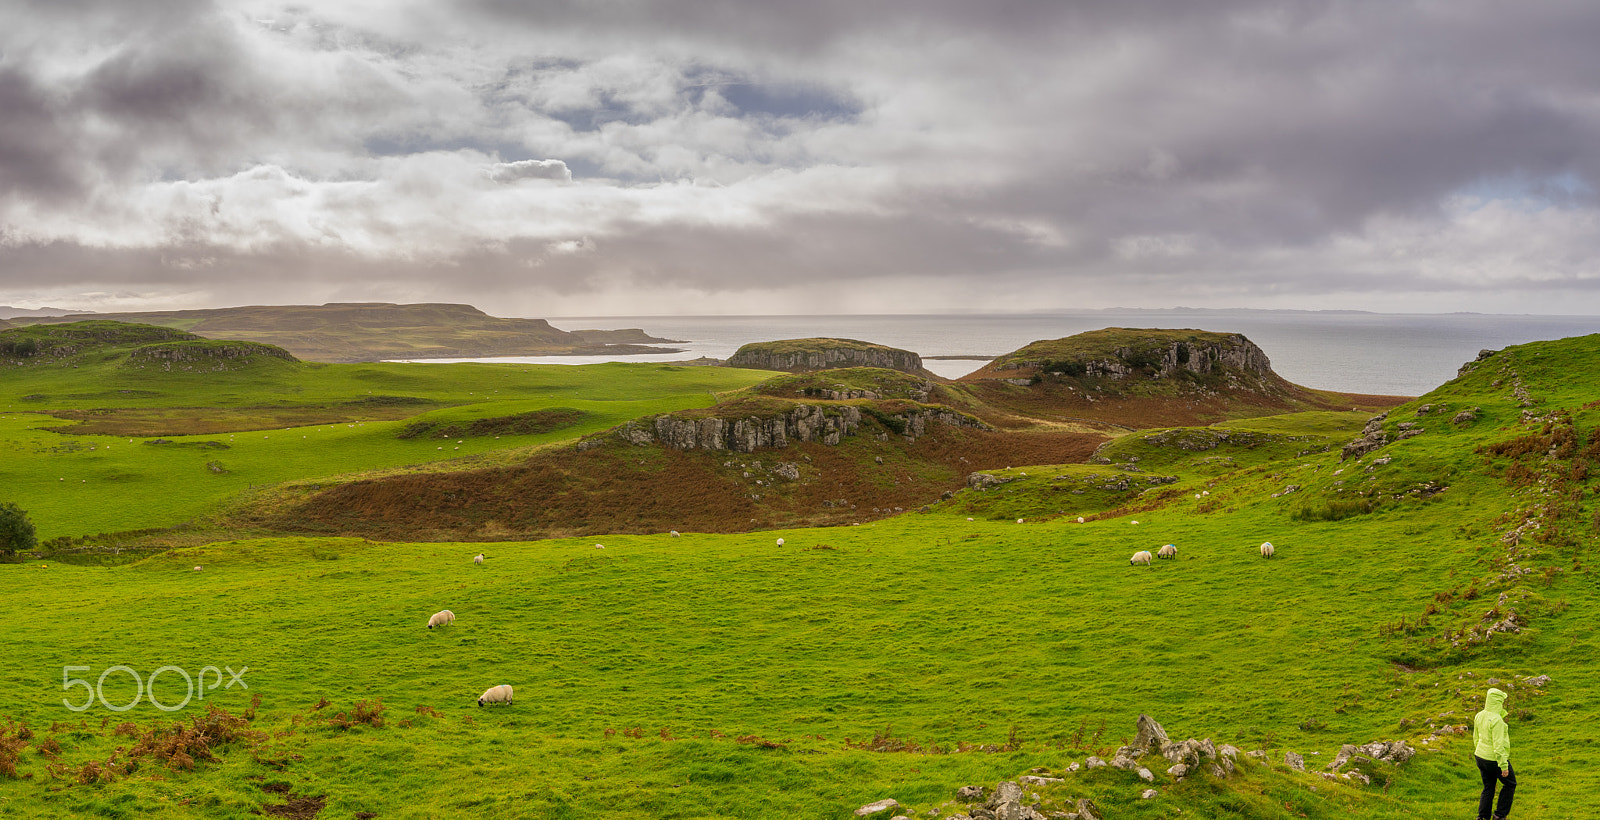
x=1178, y=771
x=970, y=794
x=1149, y=735
x=1148, y=794
x=1093, y=762
x=1538, y=682
x=1145, y=774
x=1087, y=810
x=1294, y=761
x=1036, y=780
x=875, y=808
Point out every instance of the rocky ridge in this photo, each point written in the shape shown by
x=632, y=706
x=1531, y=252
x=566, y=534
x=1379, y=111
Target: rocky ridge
x=802, y=423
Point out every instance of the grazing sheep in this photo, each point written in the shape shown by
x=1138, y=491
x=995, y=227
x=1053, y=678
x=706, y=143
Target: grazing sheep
x=1019, y=521
x=496, y=694
x=780, y=542
x=1267, y=549
x=1080, y=519
x=599, y=546
x=197, y=569
x=1140, y=557
x=477, y=559
x=674, y=534
x=443, y=618
x=1168, y=551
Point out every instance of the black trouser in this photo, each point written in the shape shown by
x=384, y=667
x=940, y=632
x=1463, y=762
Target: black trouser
x=1490, y=772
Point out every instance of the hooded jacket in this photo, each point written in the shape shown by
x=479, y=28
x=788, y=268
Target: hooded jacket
x=1491, y=738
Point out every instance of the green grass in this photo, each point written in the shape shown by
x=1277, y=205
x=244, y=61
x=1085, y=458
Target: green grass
x=76, y=485
x=1008, y=646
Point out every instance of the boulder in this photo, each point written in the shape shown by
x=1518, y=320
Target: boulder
x=1294, y=761
x=969, y=794
x=876, y=808
x=1093, y=762
x=1149, y=736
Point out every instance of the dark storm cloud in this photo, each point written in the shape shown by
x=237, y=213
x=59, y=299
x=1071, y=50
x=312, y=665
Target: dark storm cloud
x=1163, y=150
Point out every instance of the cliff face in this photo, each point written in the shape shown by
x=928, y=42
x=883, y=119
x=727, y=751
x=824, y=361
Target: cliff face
x=1161, y=358
x=798, y=355
x=803, y=423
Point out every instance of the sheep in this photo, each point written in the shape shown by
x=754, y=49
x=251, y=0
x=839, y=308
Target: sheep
x=1267, y=549
x=1168, y=551
x=780, y=542
x=477, y=559
x=1140, y=557
x=496, y=694
x=1080, y=519
x=197, y=569
x=674, y=534
x=1019, y=521
x=442, y=618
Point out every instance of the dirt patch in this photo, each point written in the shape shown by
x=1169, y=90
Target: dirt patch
x=299, y=807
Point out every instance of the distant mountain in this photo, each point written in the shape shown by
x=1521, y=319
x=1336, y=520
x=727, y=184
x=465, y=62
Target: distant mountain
x=373, y=331
x=9, y=312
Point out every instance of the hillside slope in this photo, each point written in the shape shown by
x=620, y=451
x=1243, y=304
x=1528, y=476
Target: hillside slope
x=734, y=675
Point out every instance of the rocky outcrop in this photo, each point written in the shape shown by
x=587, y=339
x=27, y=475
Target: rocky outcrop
x=1372, y=438
x=204, y=355
x=800, y=355
x=804, y=422
x=1160, y=358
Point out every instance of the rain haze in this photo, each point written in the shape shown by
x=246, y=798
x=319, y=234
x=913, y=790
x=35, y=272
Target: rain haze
x=705, y=157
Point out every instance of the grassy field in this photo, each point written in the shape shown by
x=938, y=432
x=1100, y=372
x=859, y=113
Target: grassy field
x=82, y=484
x=726, y=675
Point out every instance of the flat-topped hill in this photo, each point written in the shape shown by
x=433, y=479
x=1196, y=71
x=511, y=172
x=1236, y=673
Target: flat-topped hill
x=371, y=331
x=1145, y=377
x=801, y=355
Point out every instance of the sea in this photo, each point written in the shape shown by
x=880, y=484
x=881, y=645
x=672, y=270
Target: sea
x=1346, y=351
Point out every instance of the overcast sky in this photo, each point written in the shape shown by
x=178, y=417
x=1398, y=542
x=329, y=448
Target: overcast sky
x=753, y=156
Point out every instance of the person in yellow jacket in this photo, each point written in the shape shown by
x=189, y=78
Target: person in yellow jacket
x=1492, y=749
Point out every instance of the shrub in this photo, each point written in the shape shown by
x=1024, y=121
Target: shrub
x=16, y=531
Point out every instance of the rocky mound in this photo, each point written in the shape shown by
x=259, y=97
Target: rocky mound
x=1124, y=353
x=57, y=344
x=1140, y=378
x=199, y=355
x=802, y=355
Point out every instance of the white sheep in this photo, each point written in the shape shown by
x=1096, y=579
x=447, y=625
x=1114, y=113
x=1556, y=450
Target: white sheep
x=477, y=559
x=1140, y=557
x=780, y=542
x=1267, y=549
x=442, y=618
x=1080, y=519
x=1168, y=551
x=1019, y=521
x=496, y=694
x=197, y=569
x=674, y=534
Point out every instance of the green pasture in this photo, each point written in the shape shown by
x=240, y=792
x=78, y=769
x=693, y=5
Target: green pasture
x=729, y=676
x=76, y=485
x=930, y=628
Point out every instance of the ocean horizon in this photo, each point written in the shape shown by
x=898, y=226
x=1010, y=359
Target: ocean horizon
x=1345, y=351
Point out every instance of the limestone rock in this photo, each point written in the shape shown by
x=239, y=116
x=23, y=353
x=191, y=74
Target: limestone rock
x=1093, y=762
x=1178, y=771
x=1294, y=761
x=881, y=806
x=969, y=794
x=1148, y=794
x=1150, y=736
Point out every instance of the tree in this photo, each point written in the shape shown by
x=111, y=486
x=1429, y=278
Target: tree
x=16, y=531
